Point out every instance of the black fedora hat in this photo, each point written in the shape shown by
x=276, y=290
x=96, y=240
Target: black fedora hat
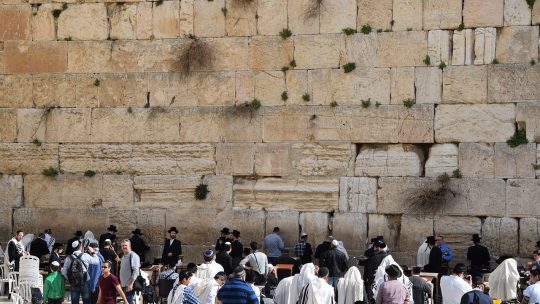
x=112, y=228
x=137, y=231
x=476, y=237
x=78, y=233
x=172, y=229
x=225, y=230
x=236, y=233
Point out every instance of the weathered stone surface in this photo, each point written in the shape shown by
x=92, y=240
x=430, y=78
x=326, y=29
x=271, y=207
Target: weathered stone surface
x=529, y=233
x=241, y=19
x=515, y=162
x=144, y=56
x=31, y=124
x=407, y=14
x=6, y=222
x=439, y=47
x=500, y=235
x=351, y=228
x=123, y=21
x=479, y=13
x=428, y=83
x=522, y=197
x=476, y=160
x=442, y=14
x=482, y=197
x=322, y=159
x=228, y=54
x=296, y=82
x=121, y=90
x=272, y=159
x=414, y=230
x=457, y=232
x=358, y=194
x=443, y=158
x=244, y=87
x=377, y=13
x=302, y=18
x=269, y=52
x=250, y=223
x=401, y=84
x=86, y=21
x=15, y=22
x=176, y=191
x=77, y=121
x=474, y=123
x=269, y=87
x=387, y=226
x=89, y=56
x=186, y=20
x=281, y=194
x=537, y=159
x=166, y=19
x=212, y=89
x=517, y=44
x=514, y=83
x=528, y=114
x=144, y=20
x=15, y=92
x=467, y=84
x=35, y=57
x=208, y=19
x=288, y=225
x=397, y=49
x=360, y=49
x=153, y=221
x=390, y=160
x=8, y=128
x=316, y=225
x=272, y=16
x=235, y=159
x=125, y=218
x=458, y=48
x=484, y=45
x=42, y=23
x=27, y=158
x=337, y=15
x=189, y=220
x=536, y=13
x=11, y=191
x=317, y=51
x=516, y=12
x=469, y=46
x=101, y=158
x=78, y=191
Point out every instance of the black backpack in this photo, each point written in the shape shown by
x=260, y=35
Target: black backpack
x=77, y=271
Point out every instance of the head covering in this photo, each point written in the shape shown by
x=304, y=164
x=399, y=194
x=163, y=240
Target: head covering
x=430, y=240
x=78, y=233
x=329, y=239
x=239, y=272
x=351, y=287
x=393, y=271
x=228, y=243
x=538, y=244
x=503, y=280
x=172, y=229
x=93, y=245
x=112, y=228
x=342, y=249
x=477, y=280
x=137, y=231
x=303, y=234
x=236, y=233
x=75, y=244
x=300, y=280
x=55, y=263
x=208, y=253
x=459, y=268
x=476, y=238
x=335, y=243
x=225, y=230
x=58, y=245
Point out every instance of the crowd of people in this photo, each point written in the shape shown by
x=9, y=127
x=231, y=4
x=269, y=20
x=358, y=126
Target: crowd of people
x=233, y=273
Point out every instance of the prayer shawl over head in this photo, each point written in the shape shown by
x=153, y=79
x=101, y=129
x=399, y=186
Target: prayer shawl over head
x=341, y=248
x=208, y=270
x=350, y=287
x=206, y=291
x=317, y=292
x=422, y=256
x=301, y=280
x=380, y=277
x=176, y=295
x=503, y=280
x=283, y=291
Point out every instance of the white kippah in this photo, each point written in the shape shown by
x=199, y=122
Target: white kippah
x=55, y=263
x=335, y=243
x=75, y=244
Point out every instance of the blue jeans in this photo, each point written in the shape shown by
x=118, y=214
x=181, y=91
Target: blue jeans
x=273, y=260
x=129, y=294
x=333, y=281
x=85, y=291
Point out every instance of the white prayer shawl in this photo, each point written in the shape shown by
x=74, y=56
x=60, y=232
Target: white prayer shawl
x=503, y=280
x=26, y=241
x=318, y=292
x=282, y=293
x=176, y=295
x=301, y=280
x=351, y=287
x=206, y=291
x=49, y=239
x=341, y=248
x=380, y=277
x=422, y=256
x=208, y=270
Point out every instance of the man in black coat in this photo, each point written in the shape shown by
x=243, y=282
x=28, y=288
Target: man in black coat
x=16, y=249
x=109, y=235
x=171, y=249
x=138, y=245
x=435, y=257
x=224, y=259
x=335, y=261
x=225, y=237
x=58, y=248
x=373, y=262
x=78, y=237
x=236, y=248
x=39, y=247
x=479, y=257
x=323, y=247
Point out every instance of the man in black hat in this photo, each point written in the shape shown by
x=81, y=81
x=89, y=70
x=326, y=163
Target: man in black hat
x=39, y=247
x=479, y=257
x=225, y=237
x=137, y=244
x=393, y=290
x=435, y=256
x=379, y=253
x=109, y=235
x=171, y=249
x=78, y=237
x=58, y=248
x=236, y=248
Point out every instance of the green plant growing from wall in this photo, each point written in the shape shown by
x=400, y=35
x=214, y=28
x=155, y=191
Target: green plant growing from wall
x=366, y=103
x=285, y=33
x=377, y=104
x=495, y=61
x=130, y=110
x=409, y=102
x=285, y=68
x=36, y=142
x=313, y=9
x=284, y=96
x=427, y=60
x=349, y=67
x=97, y=82
x=531, y=3
x=461, y=27
x=255, y=104
x=68, y=38
x=89, y=173
x=348, y=31
x=292, y=64
x=519, y=138
x=366, y=29
x=333, y=104
x=159, y=2
x=428, y=200
x=196, y=53
x=536, y=166
x=306, y=97
x=56, y=13
x=201, y=192
x=532, y=62
x=224, y=11
x=442, y=65
x=457, y=174
x=50, y=172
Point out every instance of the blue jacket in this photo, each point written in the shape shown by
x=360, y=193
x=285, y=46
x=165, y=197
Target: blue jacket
x=447, y=255
x=476, y=296
x=94, y=270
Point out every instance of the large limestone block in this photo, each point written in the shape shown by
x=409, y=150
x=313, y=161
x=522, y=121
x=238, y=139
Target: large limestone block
x=351, y=228
x=86, y=21
x=439, y=47
x=34, y=220
x=465, y=84
x=515, y=162
x=123, y=21
x=377, y=13
x=316, y=225
x=77, y=121
x=474, y=123
x=122, y=90
x=517, y=44
x=89, y=56
x=27, y=158
x=288, y=223
x=389, y=160
x=528, y=114
x=414, y=230
x=244, y=87
x=516, y=12
x=536, y=13
x=395, y=49
x=228, y=54
x=529, y=234
x=213, y=89
x=337, y=15
x=176, y=191
x=190, y=220
x=269, y=87
x=14, y=91
x=407, y=14
x=269, y=52
x=272, y=159
x=514, y=83
x=127, y=219
x=500, y=235
x=15, y=22
x=208, y=19
x=145, y=56
x=484, y=45
x=11, y=191
x=322, y=159
x=144, y=20
x=240, y=19
x=358, y=194
x=360, y=49
x=479, y=13
x=51, y=90
x=476, y=160
x=31, y=124
x=401, y=84
x=250, y=223
x=443, y=158
x=481, y=197
x=317, y=51
x=42, y=23
x=442, y=14
x=457, y=232
x=8, y=128
x=6, y=223
x=387, y=226
x=296, y=82
x=235, y=159
x=186, y=17
x=522, y=197
x=304, y=16
x=272, y=16
x=287, y=194
x=428, y=83
x=78, y=191
x=166, y=19
x=152, y=222
x=35, y=57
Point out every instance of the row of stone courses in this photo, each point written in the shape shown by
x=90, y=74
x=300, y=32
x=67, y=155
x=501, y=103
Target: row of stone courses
x=172, y=19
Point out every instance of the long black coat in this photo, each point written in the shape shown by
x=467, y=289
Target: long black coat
x=139, y=246
x=175, y=248
x=105, y=236
x=39, y=248
x=69, y=249
x=225, y=260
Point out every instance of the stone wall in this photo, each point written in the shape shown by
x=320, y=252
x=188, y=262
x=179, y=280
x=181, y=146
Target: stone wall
x=155, y=98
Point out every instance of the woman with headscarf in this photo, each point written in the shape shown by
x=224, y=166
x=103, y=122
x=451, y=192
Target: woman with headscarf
x=503, y=281
x=350, y=288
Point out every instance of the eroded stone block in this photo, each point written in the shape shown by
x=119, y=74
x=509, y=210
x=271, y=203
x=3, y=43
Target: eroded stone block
x=208, y=19
x=358, y=194
x=303, y=17
x=522, y=197
x=35, y=57
x=407, y=48
x=250, y=223
x=287, y=223
x=439, y=47
x=269, y=87
x=351, y=228
x=87, y=21
x=377, y=13
x=387, y=226
x=272, y=16
x=166, y=19
x=476, y=160
x=322, y=159
x=15, y=91
x=529, y=233
x=443, y=158
x=8, y=128
x=500, y=235
x=272, y=159
x=414, y=231
x=235, y=159
x=6, y=222
x=317, y=51
x=515, y=162
x=517, y=44
x=27, y=158
x=407, y=14
x=77, y=121
x=514, y=83
x=270, y=52
x=15, y=22
x=390, y=160
x=337, y=15
x=516, y=13
x=401, y=84
x=442, y=14
x=240, y=19
x=11, y=191
x=123, y=21
x=42, y=23
x=428, y=82
x=315, y=224
x=89, y=56
x=467, y=84
x=479, y=13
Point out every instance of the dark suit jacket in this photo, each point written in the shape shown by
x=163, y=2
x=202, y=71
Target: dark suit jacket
x=139, y=246
x=476, y=297
x=55, y=257
x=225, y=260
x=435, y=260
x=175, y=248
x=39, y=248
x=69, y=249
x=105, y=236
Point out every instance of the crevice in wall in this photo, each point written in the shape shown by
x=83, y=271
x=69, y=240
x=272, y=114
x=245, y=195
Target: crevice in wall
x=518, y=236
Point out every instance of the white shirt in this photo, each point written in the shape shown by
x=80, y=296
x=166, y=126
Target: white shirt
x=453, y=288
x=533, y=293
x=208, y=270
x=422, y=256
x=257, y=260
x=206, y=291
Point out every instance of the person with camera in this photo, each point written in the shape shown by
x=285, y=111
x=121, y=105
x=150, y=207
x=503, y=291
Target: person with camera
x=454, y=286
x=532, y=293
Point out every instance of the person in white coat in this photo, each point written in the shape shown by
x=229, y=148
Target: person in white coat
x=209, y=268
x=422, y=255
x=318, y=291
x=350, y=288
x=206, y=291
x=503, y=281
